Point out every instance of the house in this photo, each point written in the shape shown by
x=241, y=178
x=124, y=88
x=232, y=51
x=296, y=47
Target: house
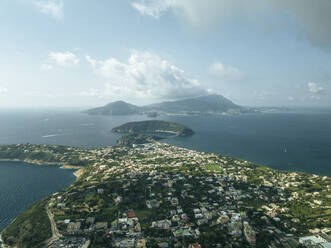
x=118, y=199
x=101, y=225
x=194, y=246
x=202, y=221
x=126, y=243
x=141, y=243
x=131, y=214
x=61, y=205
x=162, y=224
x=163, y=245
x=173, y=212
x=90, y=220
x=174, y=201
x=196, y=211
x=73, y=227
x=312, y=240
x=223, y=219
x=198, y=216
x=152, y=204
x=175, y=218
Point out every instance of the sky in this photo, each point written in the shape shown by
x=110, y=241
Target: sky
x=77, y=53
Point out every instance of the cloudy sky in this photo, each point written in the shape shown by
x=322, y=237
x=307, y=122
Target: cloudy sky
x=88, y=53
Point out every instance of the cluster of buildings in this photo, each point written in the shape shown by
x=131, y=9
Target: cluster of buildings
x=174, y=196
x=316, y=241
x=70, y=242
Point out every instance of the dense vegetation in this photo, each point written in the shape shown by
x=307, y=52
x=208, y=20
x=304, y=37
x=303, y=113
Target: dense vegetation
x=11, y=152
x=43, y=154
x=155, y=127
x=30, y=229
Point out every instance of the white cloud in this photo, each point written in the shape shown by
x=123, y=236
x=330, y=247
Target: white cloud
x=315, y=88
x=46, y=67
x=260, y=94
x=291, y=98
x=314, y=97
x=50, y=7
x=3, y=90
x=197, y=12
x=145, y=76
x=93, y=62
x=91, y=92
x=225, y=72
x=154, y=9
x=312, y=17
x=63, y=59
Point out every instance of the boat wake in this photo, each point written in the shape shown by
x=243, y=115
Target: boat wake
x=52, y=135
x=87, y=125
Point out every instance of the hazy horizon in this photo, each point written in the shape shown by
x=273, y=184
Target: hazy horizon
x=57, y=53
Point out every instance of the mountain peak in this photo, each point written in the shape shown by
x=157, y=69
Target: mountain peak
x=115, y=108
x=203, y=104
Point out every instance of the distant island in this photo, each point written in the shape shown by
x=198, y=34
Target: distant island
x=114, y=108
x=154, y=127
x=210, y=104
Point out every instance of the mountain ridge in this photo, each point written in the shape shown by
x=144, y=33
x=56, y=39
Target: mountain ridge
x=210, y=104
x=114, y=108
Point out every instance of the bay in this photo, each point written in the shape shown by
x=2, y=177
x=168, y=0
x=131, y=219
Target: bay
x=21, y=184
x=298, y=140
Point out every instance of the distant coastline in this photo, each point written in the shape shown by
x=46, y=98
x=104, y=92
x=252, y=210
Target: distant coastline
x=77, y=172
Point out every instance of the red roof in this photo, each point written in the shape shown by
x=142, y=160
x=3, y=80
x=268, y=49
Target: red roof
x=131, y=214
x=195, y=246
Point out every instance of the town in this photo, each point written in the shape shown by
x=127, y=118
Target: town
x=158, y=195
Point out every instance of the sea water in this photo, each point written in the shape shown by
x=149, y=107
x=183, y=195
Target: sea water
x=298, y=140
x=21, y=184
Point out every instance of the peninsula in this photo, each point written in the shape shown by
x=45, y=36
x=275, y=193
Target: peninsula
x=154, y=127
x=158, y=195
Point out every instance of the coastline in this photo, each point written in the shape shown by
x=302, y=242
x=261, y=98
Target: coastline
x=77, y=173
x=190, y=155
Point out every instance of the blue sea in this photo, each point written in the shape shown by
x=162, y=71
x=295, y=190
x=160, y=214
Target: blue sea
x=296, y=140
x=21, y=184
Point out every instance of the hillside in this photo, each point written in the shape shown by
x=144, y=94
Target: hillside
x=203, y=104
x=136, y=139
x=154, y=127
x=211, y=104
x=156, y=195
x=115, y=108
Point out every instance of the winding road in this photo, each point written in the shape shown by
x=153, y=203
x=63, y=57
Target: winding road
x=55, y=232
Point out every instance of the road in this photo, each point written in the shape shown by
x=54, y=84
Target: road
x=55, y=232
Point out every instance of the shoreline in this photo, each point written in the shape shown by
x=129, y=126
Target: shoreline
x=237, y=162
x=77, y=173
